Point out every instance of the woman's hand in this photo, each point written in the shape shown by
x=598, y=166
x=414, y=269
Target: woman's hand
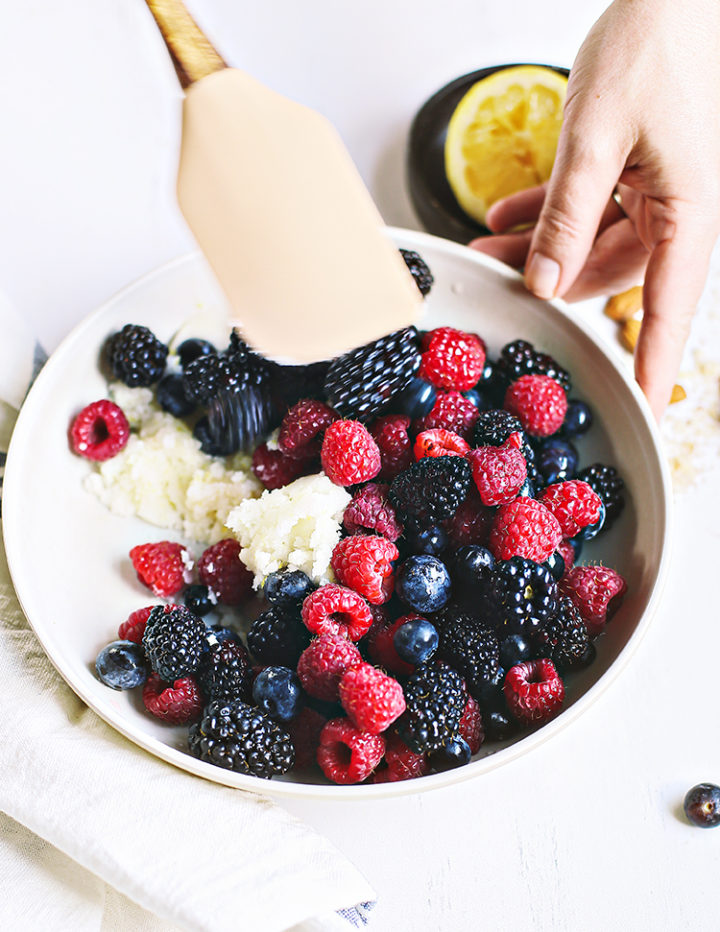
x=642, y=117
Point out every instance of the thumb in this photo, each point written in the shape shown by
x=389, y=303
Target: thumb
x=586, y=170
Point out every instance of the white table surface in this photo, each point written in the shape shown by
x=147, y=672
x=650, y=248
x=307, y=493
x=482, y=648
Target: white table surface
x=585, y=833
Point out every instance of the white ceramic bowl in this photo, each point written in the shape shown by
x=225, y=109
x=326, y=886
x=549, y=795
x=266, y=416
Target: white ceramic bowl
x=68, y=555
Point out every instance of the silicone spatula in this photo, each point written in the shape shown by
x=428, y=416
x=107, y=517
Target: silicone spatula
x=280, y=210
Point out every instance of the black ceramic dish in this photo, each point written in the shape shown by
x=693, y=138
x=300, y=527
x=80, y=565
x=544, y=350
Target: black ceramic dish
x=430, y=193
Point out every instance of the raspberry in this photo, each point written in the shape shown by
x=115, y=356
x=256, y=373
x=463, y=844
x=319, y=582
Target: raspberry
x=596, y=591
x=524, y=528
x=451, y=411
x=134, y=628
x=533, y=691
x=136, y=355
x=499, y=472
x=361, y=383
x=567, y=552
x=221, y=570
x=452, y=359
x=323, y=663
x=347, y=755
x=364, y=563
x=275, y=469
x=334, y=609
x=349, y=454
x=471, y=726
x=439, y=443
x=173, y=641
x=372, y=699
x=471, y=522
x=520, y=358
x=391, y=435
x=305, y=730
x=435, y=698
x=302, y=428
x=163, y=567
x=573, y=503
x=381, y=645
x=539, y=403
x=419, y=270
x=99, y=431
x=370, y=510
x=178, y=704
x=431, y=489
x=400, y=762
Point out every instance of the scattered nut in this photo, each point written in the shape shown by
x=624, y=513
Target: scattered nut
x=629, y=333
x=623, y=306
x=678, y=394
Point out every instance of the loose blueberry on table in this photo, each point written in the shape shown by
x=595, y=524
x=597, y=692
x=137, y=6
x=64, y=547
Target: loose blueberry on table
x=458, y=607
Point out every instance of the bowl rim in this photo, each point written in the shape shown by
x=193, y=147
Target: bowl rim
x=361, y=792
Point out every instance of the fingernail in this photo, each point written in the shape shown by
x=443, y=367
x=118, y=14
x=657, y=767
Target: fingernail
x=542, y=275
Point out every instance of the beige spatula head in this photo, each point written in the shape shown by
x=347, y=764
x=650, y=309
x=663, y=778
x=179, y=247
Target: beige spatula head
x=280, y=211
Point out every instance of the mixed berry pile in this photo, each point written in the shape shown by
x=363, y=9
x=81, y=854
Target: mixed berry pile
x=459, y=607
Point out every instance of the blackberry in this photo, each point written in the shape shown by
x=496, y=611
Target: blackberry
x=173, y=641
x=521, y=358
x=606, y=482
x=136, y=356
x=239, y=737
x=277, y=638
x=431, y=490
x=527, y=595
x=360, y=384
x=564, y=638
x=435, y=700
x=237, y=420
x=419, y=270
x=289, y=384
x=224, y=670
x=471, y=648
x=233, y=370
x=493, y=427
x=170, y=395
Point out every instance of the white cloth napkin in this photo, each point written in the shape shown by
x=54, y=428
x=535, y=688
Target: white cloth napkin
x=96, y=834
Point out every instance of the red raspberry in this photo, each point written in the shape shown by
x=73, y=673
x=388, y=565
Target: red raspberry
x=178, y=704
x=347, y=755
x=439, y=443
x=274, y=469
x=381, y=646
x=334, y=609
x=534, y=692
x=567, y=552
x=221, y=569
x=370, y=510
x=471, y=522
x=452, y=359
x=391, y=435
x=302, y=428
x=524, y=528
x=99, y=431
x=596, y=591
x=400, y=762
x=451, y=411
x=364, y=563
x=349, y=454
x=323, y=662
x=499, y=473
x=305, y=731
x=134, y=627
x=163, y=567
x=471, y=726
x=574, y=503
x=372, y=699
x=539, y=402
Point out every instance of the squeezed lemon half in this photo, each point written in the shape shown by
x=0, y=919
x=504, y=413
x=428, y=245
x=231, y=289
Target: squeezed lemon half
x=503, y=135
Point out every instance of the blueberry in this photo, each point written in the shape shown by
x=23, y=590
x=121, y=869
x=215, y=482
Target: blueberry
x=197, y=600
x=578, y=418
x=171, y=396
x=487, y=374
x=514, y=649
x=592, y=530
x=489, y=693
x=277, y=691
x=577, y=546
x=217, y=634
x=477, y=398
x=427, y=540
x=192, y=349
x=456, y=753
x=526, y=490
x=423, y=583
x=497, y=725
x=201, y=432
x=556, y=565
x=122, y=665
x=556, y=461
x=702, y=805
x=472, y=573
x=417, y=640
x=288, y=588
x=416, y=399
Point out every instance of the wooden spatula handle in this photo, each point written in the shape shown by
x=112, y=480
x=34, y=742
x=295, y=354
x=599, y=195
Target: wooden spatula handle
x=190, y=49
